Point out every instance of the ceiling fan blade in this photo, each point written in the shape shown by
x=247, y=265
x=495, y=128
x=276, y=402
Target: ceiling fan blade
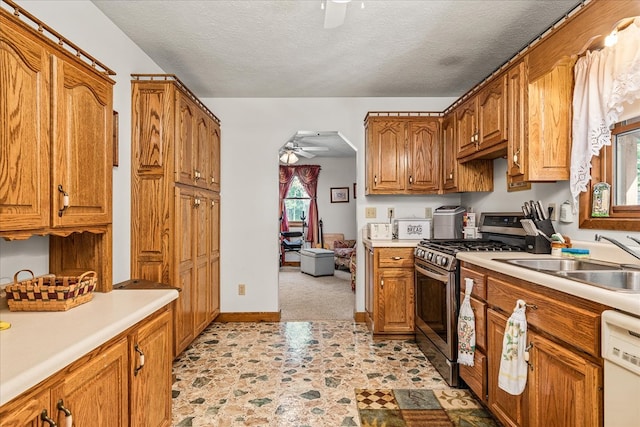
x=334, y=14
x=305, y=154
x=313, y=148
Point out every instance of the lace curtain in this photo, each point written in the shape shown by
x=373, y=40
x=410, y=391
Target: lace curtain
x=605, y=81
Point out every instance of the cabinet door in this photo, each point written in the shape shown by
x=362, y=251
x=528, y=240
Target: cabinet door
x=185, y=265
x=202, y=285
x=151, y=382
x=24, y=142
x=387, y=147
x=395, y=301
x=96, y=393
x=507, y=408
x=517, y=140
x=467, y=127
x=202, y=150
x=369, y=286
x=550, y=108
x=564, y=388
x=214, y=256
x=82, y=147
x=492, y=114
x=449, y=154
x=185, y=135
x=27, y=410
x=423, y=156
x=214, y=170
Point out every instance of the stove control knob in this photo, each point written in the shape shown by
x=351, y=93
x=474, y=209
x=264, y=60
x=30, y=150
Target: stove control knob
x=429, y=256
x=444, y=261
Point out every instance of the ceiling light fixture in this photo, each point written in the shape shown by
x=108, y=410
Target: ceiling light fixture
x=289, y=157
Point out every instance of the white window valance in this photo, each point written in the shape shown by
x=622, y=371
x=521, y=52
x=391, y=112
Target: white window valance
x=605, y=81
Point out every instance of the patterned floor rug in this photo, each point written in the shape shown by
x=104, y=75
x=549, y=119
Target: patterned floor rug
x=413, y=408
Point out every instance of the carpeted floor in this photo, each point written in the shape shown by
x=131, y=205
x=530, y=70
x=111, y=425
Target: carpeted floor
x=304, y=297
x=422, y=407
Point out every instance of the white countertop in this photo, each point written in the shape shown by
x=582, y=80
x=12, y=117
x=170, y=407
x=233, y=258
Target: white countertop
x=390, y=243
x=38, y=344
x=625, y=301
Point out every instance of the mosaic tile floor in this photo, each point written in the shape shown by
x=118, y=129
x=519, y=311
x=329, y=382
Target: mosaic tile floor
x=290, y=374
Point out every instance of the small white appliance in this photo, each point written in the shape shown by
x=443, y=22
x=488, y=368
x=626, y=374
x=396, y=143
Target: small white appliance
x=379, y=231
x=412, y=228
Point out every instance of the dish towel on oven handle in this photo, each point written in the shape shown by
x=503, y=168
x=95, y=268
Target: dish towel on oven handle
x=466, y=327
x=512, y=376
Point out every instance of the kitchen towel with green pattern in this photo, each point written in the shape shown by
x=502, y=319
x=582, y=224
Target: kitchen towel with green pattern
x=512, y=376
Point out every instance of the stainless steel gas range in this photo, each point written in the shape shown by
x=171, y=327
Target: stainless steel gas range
x=437, y=280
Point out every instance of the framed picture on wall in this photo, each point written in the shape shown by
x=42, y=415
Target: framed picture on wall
x=340, y=195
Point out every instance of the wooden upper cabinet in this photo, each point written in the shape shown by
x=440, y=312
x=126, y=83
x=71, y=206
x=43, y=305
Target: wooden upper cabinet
x=449, y=151
x=423, y=160
x=185, y=136
x=549, y=113
x=517, y=147
x=403, y=154
x=482, y=122
x=82, y=147
x=214, y=159
x=25, y=137
x=467, y=127
x=57, y=137
x=386, y=149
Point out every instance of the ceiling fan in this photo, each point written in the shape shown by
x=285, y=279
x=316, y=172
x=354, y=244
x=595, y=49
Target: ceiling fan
x=293, y=147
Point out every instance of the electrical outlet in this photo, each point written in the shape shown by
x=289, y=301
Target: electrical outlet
x=370, y=213
x=428, y=213
x=390, y=212
x=553, y=212
x=241, y=289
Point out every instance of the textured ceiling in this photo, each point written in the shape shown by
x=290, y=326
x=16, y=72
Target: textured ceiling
x=279, y=48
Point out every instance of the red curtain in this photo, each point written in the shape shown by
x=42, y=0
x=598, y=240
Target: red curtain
x=286, y=176
x=308, y=176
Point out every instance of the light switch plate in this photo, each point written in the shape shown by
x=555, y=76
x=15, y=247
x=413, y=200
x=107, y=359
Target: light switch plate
x=428, y=213
x=370, y=213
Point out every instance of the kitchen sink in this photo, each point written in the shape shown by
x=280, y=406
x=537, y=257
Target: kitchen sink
x=620, y=280
x=561, y=264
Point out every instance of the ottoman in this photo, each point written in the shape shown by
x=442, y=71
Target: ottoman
x=316, y=262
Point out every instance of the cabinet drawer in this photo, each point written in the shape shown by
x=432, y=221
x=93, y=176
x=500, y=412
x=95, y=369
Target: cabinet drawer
x=476, y=376
x=563, y=319
x=395, y=257
x=479, y=282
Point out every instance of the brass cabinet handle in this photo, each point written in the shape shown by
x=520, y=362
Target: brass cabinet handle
x=396, y=258
x=526, y=355
x=381, y=283
x=140, y=360
x=410, y=179
x=213, y=179
x=68, y=417
x=65, y=200
x=375, y=179
x=196, y=202
x=44, y=416
x=196, y=174
x=515, y=158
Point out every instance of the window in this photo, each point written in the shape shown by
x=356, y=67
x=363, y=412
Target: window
x=297, y=202
x=618, y=164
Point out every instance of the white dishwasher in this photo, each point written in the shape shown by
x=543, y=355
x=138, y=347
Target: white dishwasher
x=621, y=353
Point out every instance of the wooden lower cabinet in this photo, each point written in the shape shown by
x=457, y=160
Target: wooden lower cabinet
x=150, y=387
x=105, y=387
x=507, y=408
x=389, y=290
x=565, y=375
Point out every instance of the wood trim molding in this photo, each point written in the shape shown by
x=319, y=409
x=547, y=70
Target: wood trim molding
x=360, y=317
x=258, y=316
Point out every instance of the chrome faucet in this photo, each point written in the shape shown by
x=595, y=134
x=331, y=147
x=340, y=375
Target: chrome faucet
x=625, y=248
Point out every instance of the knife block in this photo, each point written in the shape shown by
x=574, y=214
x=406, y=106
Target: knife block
x=537, y=245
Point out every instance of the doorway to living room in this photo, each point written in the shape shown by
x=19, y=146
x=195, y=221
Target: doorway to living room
x=325, y=293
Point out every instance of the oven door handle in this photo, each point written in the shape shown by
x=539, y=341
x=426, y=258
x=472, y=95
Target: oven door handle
x=432, y=274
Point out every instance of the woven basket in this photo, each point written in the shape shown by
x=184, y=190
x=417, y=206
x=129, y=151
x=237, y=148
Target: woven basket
x=50, y=292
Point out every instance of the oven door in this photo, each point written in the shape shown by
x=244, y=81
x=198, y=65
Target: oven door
x=437, y=307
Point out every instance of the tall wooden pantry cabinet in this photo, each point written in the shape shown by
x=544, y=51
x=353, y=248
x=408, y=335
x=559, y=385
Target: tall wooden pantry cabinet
x=175, y=198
